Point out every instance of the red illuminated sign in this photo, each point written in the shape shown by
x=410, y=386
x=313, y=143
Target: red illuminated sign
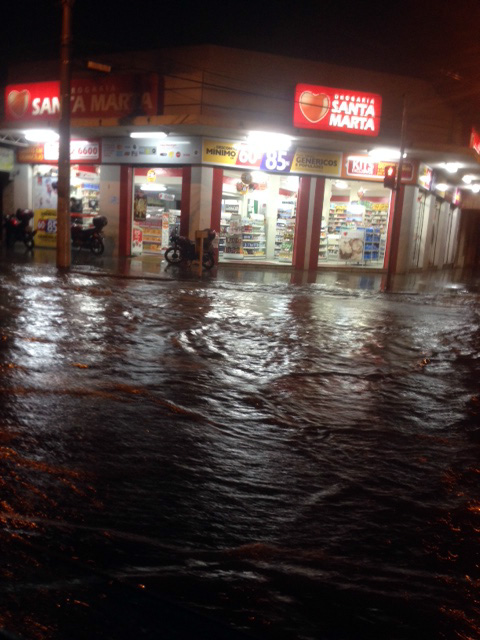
x=475, y=141
x=328, y=109
x=366, y=167
x=110, y=97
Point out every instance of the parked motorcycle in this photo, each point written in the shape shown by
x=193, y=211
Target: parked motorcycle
x=183, y=249
x=18, y=229
x=90, y=237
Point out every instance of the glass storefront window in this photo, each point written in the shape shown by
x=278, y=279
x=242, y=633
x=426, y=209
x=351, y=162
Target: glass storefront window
x=258, y=217
x=354, y=223
x=156, y=208
x=84, y=199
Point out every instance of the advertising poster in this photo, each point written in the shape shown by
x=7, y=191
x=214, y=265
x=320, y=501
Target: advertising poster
x=295, y=160
x=137, y=240
x=45, y=192
x=45, y=223
x=351, y=245
x=165, y=228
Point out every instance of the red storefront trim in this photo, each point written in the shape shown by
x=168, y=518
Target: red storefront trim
x=125, y=213
x=185, y=212
x=316, y=223
x=217, y=190
x=394, y=225
x=302, y=222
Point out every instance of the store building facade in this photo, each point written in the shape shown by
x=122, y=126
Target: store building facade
x=310, y=196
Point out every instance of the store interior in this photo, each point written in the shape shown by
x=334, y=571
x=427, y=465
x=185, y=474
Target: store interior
x=258, y=217
x=156, y=209
x=84, y=190
x=354, y=223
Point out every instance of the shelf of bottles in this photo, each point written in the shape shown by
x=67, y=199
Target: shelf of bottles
x=253, y=236
x=285, y=229
x=230, y=243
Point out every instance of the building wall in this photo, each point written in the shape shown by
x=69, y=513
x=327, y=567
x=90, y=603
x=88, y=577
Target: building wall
x=110, y=206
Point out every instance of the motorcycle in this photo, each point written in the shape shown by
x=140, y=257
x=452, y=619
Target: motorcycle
x=18, y=229
x=90, y=237
x=183, y=249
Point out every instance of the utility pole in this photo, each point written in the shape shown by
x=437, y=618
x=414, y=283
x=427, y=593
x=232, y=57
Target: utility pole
x=397, y=209
x=63, y=206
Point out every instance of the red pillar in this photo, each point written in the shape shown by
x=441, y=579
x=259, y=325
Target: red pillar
x=393, y=233
x=316, y=223
x=125, y=214
x=216, y=213
x=300, y=240
x=185, y=212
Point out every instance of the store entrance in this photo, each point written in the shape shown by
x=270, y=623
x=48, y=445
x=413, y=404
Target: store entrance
x=354, y=223
x=258, y=217
x=156, y=209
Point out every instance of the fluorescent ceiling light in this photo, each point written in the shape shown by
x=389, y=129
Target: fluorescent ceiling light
x=269, y=140
x=451, y=167
x=442, y=186
x=148, y=134
x=475, y=188
x=386, y=153
x=153, y=187
x=341, y=184
x=467, y=178
x=41, y=135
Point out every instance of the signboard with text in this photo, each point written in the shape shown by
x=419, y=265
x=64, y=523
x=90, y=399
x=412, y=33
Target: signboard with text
x=138, y=151
x=81, y=151
x=294, y=160
x=475, y=141
x=367, y=168
x=340, y=110
x=107, y=97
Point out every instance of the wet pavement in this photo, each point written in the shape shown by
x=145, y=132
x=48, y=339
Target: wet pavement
x=251, y=453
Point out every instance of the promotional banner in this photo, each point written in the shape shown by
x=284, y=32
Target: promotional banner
x=366, y=167
x=113, y=96
x=295, y=160
x=344, y=110
x=7, y=158
x=138, y=151
x=351, y=244
x=81, y=151
x=45, y=223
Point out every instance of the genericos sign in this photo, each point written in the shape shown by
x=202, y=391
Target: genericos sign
x=111, y=97
x=329, y=109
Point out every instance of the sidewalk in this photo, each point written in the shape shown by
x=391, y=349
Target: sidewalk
x=148, y=267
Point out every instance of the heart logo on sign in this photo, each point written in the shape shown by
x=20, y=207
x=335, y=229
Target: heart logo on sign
x=314, y=106
x=18, y=101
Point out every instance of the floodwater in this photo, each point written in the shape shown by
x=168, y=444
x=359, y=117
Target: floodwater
x=237, y=459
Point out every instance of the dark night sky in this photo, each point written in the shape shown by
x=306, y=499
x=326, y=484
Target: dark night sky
x=415, y=37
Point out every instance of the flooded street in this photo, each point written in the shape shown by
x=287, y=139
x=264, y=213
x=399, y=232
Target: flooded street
x=228, y=458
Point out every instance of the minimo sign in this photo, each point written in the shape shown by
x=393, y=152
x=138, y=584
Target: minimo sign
x=329, y=109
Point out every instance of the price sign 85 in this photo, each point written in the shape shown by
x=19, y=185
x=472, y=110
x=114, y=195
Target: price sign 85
x=277, y=161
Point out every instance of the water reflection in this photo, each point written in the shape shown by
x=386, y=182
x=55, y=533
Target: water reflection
x=292, y=460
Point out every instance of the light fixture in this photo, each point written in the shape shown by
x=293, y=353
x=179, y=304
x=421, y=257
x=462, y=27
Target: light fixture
x=451, y=167
x=467, y=178
x=475, y=188
x=153, y=187
x=267, y=140
x=442, y=186
x=341, y=184
x=41, y=135
x=148, y=134
x=388, y=154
